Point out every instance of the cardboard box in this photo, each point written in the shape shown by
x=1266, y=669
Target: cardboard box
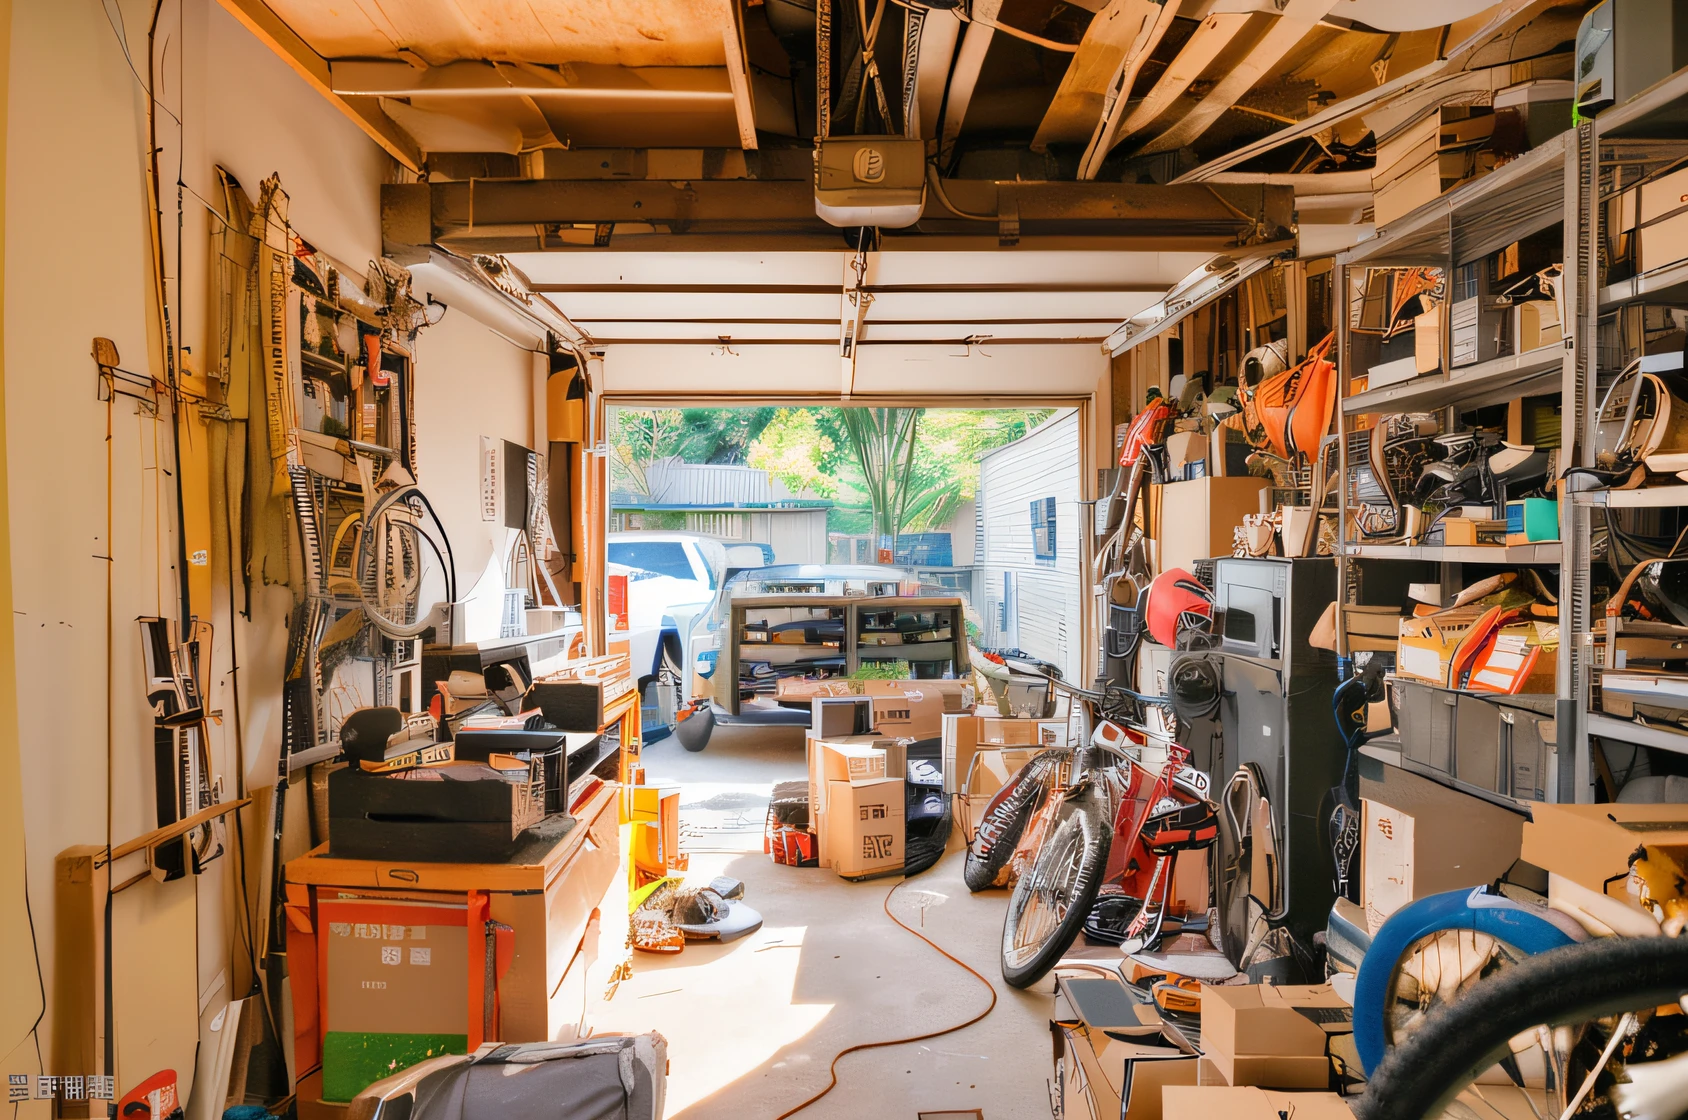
x=1276, y=1037
x=1471, y=531
x=840, y=760
x=1536, y=324
x=1589, y=844
x=1199, y=517
x=1427, y=341
x=964, y=735
x=866, y=825
x=1662, y=215
x=1223, y=1102
x=1392, y=373
x=1400, y=862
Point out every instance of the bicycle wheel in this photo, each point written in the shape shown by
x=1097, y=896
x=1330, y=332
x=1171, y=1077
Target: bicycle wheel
x=1004, y=822
x=1054, y=896
x=1574, y=985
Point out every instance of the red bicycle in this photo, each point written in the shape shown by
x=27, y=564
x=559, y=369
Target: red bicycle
x=1075, y=819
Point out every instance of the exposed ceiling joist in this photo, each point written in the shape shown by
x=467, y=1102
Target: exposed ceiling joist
x=365, y=112
x=1115, y=39
x=969, y=61
x=1507, y=17
x=1204, y=45
x=934, y=34
x=1117, y=97
x=738, y=75
x=1298, y=18
x=415, y=215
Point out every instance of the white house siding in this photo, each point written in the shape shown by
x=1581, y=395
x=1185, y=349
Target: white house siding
x=1045, y=605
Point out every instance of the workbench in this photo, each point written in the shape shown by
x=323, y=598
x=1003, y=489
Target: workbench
x=532, y=914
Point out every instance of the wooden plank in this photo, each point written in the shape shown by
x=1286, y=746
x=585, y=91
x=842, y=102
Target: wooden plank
x=969, y=60
x=181, y=828
x=1212, y=37
x=1117, y=38
x=1116, y=102
x=318, y=868
x=738, y=74
x=81, y=880
x=1298, y=18
x=270, y=30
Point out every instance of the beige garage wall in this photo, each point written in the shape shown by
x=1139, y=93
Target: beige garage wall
x=78, y=265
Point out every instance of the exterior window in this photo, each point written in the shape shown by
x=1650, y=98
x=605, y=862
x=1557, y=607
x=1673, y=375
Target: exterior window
x=1043, y=529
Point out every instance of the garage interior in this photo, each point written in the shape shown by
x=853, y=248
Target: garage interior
x=342, y=781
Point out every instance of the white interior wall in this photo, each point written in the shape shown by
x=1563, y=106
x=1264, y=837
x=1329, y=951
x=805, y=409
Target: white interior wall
x=78, y=257
x=470, y=383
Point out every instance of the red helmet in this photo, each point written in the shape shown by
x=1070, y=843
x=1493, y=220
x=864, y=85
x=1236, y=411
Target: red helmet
x=1177, y=603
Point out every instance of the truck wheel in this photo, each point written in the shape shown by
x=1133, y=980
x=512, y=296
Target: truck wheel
x=694, y=731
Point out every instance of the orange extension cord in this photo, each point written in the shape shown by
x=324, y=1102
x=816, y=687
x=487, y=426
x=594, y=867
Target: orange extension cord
x=833, y=1069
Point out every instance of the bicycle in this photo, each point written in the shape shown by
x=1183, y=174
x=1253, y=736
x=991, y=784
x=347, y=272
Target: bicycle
x=1592, y=1007
x=1077, y=818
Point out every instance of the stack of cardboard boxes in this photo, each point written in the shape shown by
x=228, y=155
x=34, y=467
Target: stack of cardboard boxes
x=858, y=761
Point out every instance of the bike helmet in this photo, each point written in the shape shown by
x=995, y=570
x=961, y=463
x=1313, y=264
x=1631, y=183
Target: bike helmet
x=1178, y=603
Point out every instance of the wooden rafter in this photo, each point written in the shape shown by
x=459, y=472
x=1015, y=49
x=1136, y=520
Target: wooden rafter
x=738, y=75
x=1298, y=18
x=1116, y=38
x=1204, y=45
x=257, y=18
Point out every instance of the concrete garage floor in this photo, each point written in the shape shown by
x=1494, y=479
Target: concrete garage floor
x=752, y=1025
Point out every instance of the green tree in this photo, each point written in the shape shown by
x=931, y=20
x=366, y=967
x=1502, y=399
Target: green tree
x=882, y=442
x=793, y=449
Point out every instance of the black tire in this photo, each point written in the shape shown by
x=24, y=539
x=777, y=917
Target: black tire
x=1072, y=858
x=694, y=731
x=1566, y=986
x=1004, y=823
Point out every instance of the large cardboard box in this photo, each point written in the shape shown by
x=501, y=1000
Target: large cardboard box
x=1589, y=844
x=965, y=735
x=844, y=759
x=1663, y=218
x=866, y=822
x=1198, y=517
x=1401, y=861
x=1225, y=1102
x=1273, y=1036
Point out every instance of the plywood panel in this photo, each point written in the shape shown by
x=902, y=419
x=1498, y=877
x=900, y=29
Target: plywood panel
x=154, y=981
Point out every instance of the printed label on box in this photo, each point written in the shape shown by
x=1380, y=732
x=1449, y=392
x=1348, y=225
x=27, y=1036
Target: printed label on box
x=877, y=847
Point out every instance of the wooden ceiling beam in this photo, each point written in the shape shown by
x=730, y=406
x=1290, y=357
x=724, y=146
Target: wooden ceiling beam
x=1205, y=44
x=738, y=74
x=366, y=113
x=1118, y=37
x=1298, y=18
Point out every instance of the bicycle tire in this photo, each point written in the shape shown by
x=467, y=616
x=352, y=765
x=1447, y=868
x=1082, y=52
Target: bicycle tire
x=1003, y=823
x=1086, y=817
x=1574, y=984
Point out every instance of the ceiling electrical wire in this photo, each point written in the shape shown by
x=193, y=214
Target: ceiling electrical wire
x=833, y=1068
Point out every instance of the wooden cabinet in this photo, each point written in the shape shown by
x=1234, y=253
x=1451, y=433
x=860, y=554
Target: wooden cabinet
x=532, y=914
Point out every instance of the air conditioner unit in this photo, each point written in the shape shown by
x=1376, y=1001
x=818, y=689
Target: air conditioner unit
x=877, y=181
x=1625, y=46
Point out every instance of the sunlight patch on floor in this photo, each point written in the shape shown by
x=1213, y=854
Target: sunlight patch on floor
x=725, y=1009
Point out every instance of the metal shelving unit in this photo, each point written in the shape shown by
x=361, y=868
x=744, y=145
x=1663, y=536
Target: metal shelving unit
x=1499, y=379
x=1548, y=552
x=1532, y=193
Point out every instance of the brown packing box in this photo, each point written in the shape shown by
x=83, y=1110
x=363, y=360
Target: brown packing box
x=1198, y=518
x=1427, y=341
x=865, y=824
x=1275, y=1036
x=1663, y=218
x=1470, y=531
x=795, y=688
x=843, y=759
x=1225, y=1102
x=1589, y=844
x=1406, y=861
